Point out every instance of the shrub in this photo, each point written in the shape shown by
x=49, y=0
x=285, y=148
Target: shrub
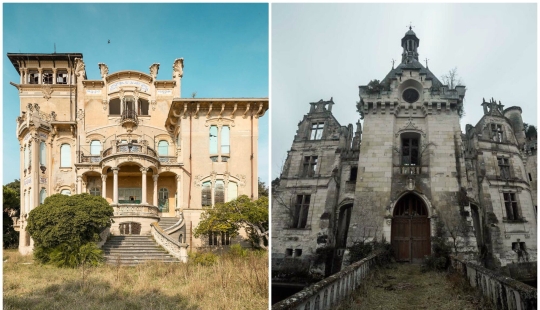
x=361, y=249
x=64, y=225
x=236, y=250
x=72, y=256
x=441, y=249
x=203, y=258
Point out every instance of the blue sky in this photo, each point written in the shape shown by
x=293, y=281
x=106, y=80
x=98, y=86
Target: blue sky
x=224, y=46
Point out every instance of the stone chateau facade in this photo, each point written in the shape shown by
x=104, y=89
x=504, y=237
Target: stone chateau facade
x=133, y=140
x=409, y=166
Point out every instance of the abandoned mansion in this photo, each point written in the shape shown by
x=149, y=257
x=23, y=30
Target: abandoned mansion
x=159, y=159
x=407, y=168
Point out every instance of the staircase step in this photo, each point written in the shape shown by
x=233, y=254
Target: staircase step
x=134, y=249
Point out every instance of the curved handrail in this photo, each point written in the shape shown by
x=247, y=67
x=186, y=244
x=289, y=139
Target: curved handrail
x=178, y=250
x=175, y=227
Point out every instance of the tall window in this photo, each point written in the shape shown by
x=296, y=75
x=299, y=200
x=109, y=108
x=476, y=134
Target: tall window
x=163, y=200
x=206, y=199
x=42, y=195
x=232, y=192
x=95, y=147
x=301, y=211
x=42, y=154
x=354, y=174
x=409, y=148
x=225, y=238
x=213, y=238
x=316, y=131
x=61, y=77
x=504, y=167
x=65, y=155
x=47, y=77
x=497, y=132
x=114, y=106
x=26, y=156
x=219, y=194
x=143, y=107
x=163, y=148
x=213, y=140
x=95, y=191
x=510, y=203
x=225, y=144
x=310, y=166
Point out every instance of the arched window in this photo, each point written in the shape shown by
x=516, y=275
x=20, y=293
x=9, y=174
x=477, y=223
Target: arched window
x=225, y=144
x=95, y=147
x=42, y=154
x=42, y=195
x=219, y=194
x=232, y=192
x=163, y=148
x=65, y=155
x=213, y=140
x=206, y=199
x=129, y=105
x=95, y=191
x=66, y=192
x=163, y=200
x=114, y=106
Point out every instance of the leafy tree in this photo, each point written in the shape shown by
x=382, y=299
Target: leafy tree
x=531, y=132
x=263, y=189
x=67, y=223
x=452, y=79
x=231, y=216
x=11, y=207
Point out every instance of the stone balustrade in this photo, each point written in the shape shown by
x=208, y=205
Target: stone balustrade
x=135, y=210
x=503, y=292
x=178, y=250
x=327, y=293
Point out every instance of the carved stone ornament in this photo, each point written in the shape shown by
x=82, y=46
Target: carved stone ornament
x=104, y=70
x=53, y=116
x=197, y=181
x=153, y=103
x=47, y=91
x=104, y=103
x=178, y=68
x=154, y=68
x=30, y=107
x=80, y=114
x=79, y=68
x=410, y=183
x=36, y=107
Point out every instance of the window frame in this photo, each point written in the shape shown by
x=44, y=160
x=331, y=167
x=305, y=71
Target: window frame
x=504, y=167
x=407, y=156
x=162, y=146
x=301, y=211
x=206, y=189
x=497, y=132
x=309, y=169
x=511, y=206
x=317, y=130
x=64, y=157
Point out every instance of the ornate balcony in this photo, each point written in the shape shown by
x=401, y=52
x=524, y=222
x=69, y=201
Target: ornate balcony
x=129, y=120
x=135, y=210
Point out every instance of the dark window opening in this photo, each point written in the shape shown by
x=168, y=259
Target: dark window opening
x=33, y=77
x=61, y=77
x=288, y=252
x=409, y=147
x=530, y=177
x=143, y=107
x=301, y=211
x=297, y=252
x=206, y=199
x=47, y=77
x=354, y=174
x=225, y=238
x=504, y=167
x=316, y=131
x=510, y=203
x=213, y=238
x=114, y=107
x=310, y=166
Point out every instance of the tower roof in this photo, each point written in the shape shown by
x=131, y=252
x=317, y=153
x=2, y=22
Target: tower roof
x=413, y=65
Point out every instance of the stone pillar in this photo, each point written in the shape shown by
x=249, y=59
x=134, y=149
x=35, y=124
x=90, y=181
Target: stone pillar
x=79, y=184
x=115, y=184
x=143, y=198
x=21, y=70
x=155, y=201
x=40, y=75
x=104, y=186
x=54, y=75
x=178, y=191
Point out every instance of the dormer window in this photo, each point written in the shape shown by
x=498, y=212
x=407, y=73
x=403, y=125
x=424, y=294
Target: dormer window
x=497, y=132
x=317, y=131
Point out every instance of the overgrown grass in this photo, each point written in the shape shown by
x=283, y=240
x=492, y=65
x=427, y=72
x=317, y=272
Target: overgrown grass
x=232, y=282
x=404, y=286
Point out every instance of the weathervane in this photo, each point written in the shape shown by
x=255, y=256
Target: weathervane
x=393, y=60
x=426, y=62
x=410, y=26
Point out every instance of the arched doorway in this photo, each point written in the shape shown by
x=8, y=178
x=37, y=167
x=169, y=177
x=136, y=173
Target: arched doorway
x=411, y=237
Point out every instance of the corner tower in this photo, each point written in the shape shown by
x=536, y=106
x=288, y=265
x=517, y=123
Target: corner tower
x=409, y=170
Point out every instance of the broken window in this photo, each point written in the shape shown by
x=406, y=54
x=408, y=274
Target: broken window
x=504, y=167
x=301, y=211
x=213, y=238
x=310, y=166
x=47, y=77
x=33, y=77
x=316, y=131
x=511, y=205
x=206, y=194
x=225, y=238
x=409, y=148
x=497, y=132
x=61, y=77
x=521, y=250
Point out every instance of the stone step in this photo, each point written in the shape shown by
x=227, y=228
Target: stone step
x=166, y=222
x=134, y=249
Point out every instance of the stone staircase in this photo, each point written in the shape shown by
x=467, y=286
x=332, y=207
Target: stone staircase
x=130, y=250
x=166, y=222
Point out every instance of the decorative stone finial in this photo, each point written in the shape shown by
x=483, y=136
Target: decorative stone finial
x=178, y=67
x=104, y=70
x=154, y=68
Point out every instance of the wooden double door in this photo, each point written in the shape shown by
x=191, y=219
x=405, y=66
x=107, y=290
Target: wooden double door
x=411, y=230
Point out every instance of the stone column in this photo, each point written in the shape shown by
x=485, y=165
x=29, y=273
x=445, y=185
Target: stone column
x=178, y=191
x=40, y=75
x=155, y=201
x=54, y=75
x=79, y=184
x=143, y=198
x=104, y=186
x=21, y=70
x=115, y=184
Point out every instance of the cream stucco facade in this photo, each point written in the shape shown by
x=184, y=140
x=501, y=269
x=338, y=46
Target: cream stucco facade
x=133, y=140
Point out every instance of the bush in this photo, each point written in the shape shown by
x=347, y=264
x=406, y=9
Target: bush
x=441, y=249
x=72, y=256
x=203, y=258
x=361, y=249
x=65, y=225
x=236, y=250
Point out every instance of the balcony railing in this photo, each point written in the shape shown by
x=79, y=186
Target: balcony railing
x=135, y=210
x=410, y=169
x=129, y=116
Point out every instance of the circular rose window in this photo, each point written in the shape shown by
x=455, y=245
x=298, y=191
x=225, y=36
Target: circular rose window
x=411, y=95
